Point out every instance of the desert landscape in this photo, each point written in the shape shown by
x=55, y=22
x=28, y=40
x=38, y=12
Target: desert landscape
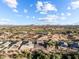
x=39, y=29
x=20, y=41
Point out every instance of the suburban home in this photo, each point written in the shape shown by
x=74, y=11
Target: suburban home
x=75, y=45
x=28, y=45
x=63, y=44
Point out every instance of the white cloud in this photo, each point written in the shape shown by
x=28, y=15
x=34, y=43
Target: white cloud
x=49, y=18
x=39, y=5
x=45, y=6
x=62, y=14
x=11, y=3
x=25, y=10
x=15, y=10
x=41, y=12
x=19, y=15
x=62, y=17
x=68, y=8
x=31, y=5
x=68, y=14
x=27, y=16
x=75, y=4
x=65, y=14
x=53, y=18
x=33, y=17
x=4, y=21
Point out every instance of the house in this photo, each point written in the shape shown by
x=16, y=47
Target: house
x=39, y=44
x=75, y=45
x=63, y=44
x=28, y=45
x=6, y=44
x=15, y=46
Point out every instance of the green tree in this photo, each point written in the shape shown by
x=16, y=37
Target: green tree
x=51, y=43
x=2, y=57
x=68, y=57
x=75, y=56
x=58, y=56
x=29, y=55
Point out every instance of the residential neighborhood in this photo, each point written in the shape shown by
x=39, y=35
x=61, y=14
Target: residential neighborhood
x=55, y=41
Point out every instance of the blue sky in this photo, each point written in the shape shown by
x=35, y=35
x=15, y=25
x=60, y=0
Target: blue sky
x=39, y=12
